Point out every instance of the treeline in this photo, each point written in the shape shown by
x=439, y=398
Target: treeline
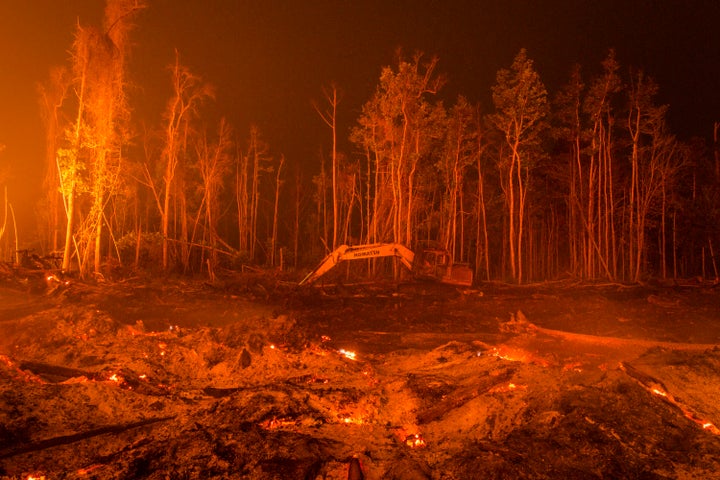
x=587, y=182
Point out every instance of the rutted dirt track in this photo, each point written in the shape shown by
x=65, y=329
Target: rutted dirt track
x=256, y=379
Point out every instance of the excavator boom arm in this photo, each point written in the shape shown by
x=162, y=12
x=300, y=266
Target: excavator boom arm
x=359, y=252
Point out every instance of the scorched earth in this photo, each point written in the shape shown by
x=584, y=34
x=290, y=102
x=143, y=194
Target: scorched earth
x=252, y=378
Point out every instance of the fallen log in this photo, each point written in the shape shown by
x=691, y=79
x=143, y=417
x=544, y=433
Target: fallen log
x=60, y=374
x=658, y=389
x=219, y=392
x=647, y=381
x=55, y=373
x=462, y=396
x=76, y=437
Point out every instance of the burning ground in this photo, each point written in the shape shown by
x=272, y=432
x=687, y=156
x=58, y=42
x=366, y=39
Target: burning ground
x=257, y=379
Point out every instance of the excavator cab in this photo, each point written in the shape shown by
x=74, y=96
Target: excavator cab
x=438, y=265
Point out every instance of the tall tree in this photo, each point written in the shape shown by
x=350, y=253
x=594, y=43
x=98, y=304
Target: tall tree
x=521, y=107
x=460, y=152
x=89, y=165
x=276, y=211
x=600, y=242
x=188, y=93
x=329, y=116
x=52, y=95
x=395, y=131
x=214, y=164
x=656, y=159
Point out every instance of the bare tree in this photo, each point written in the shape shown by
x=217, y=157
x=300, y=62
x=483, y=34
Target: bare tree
x=274, y=237
x=214, y=164
x=188, y=93
x=256, y=164
x=329, y=116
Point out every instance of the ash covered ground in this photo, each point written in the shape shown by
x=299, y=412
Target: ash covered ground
x=252, y=378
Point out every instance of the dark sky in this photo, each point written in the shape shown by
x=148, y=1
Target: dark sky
x=268, y=59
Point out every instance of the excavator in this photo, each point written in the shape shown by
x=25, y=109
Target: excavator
x=430, y=263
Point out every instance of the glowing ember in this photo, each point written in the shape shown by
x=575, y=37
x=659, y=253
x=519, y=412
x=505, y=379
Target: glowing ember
x=277, y=423
x=36, y=477
x=86, y=471
x=28, y=377
x=114, y=377
x=508, y=387
x=687, y=411
x=7, y=361
x=703, y=423
x=415, y=441
x=325, y=338
x=348, y=354
x=353, y=420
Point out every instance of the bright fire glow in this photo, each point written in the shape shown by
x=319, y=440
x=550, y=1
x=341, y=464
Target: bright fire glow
x=348, y=354
x=659, y=392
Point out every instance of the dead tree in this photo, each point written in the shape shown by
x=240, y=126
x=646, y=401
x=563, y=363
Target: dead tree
x=188, y=93
x=329, y=116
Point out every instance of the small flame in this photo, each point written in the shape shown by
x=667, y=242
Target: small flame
x=415, y=441
x=659, y=392
x=114, y=377
x=325, y=338
x=353, y=420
